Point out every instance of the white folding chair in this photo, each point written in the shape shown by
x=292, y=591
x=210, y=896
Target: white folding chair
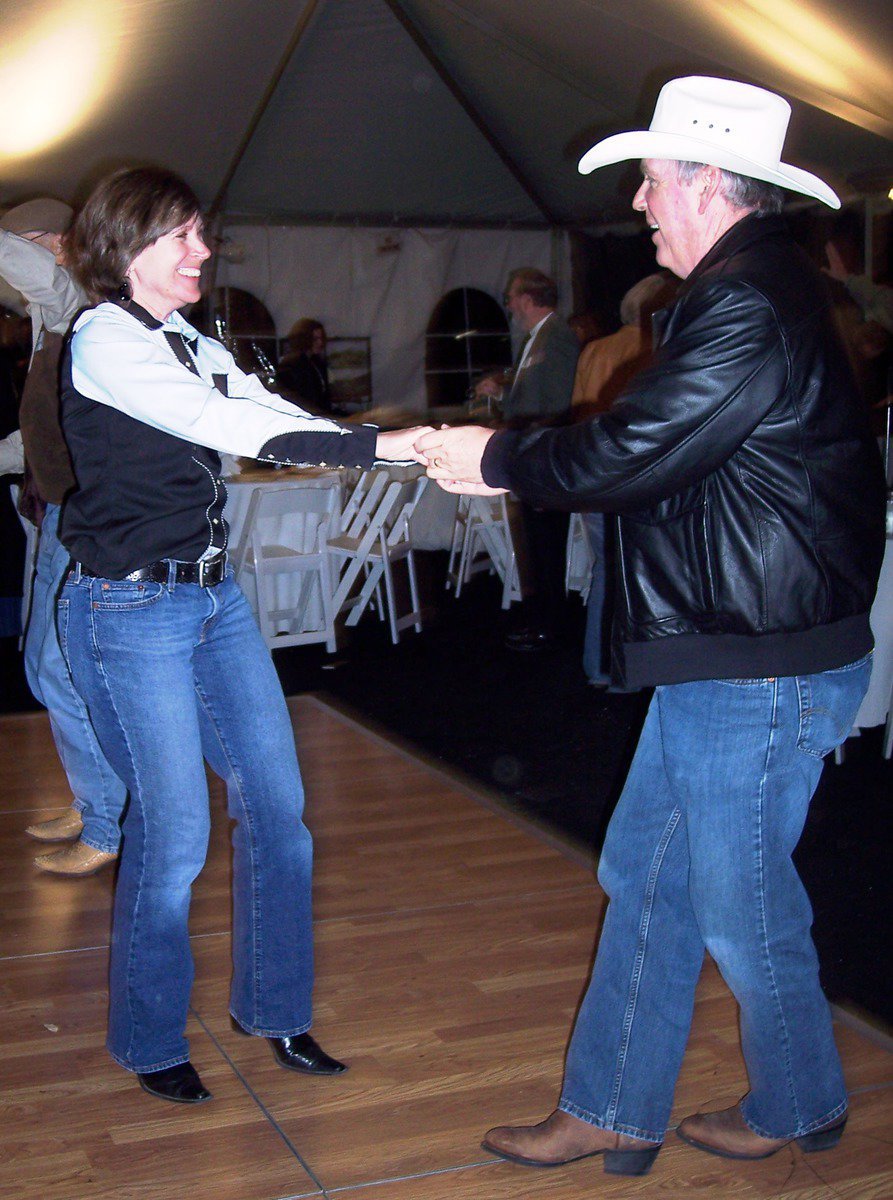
x=482, y=540
x=375, y=535
x=286, y=532
x=457, y=545
x=579, y=557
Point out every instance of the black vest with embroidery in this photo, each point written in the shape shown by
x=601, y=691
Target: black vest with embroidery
x=141, y=494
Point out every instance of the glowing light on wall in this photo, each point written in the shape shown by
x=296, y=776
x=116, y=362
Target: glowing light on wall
x=53, y=73
x=838, y=73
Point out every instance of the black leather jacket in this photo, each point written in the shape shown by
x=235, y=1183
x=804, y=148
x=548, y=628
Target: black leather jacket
x=748, y=486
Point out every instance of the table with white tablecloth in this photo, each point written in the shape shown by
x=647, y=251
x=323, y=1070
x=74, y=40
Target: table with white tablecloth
x=431, y=524
x=289, y=531
x=240, y=488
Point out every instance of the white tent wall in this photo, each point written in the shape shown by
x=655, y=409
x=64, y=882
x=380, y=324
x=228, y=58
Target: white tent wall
x=423, y=113
x=382, y=283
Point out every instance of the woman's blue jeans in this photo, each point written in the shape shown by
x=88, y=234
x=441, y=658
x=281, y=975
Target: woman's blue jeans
x=698, y=855
x=167, y=670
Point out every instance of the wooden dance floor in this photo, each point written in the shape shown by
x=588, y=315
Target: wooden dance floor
x=452, y=947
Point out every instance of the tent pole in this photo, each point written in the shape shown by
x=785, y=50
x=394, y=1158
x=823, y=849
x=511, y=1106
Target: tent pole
x=422, y=43
x=299, y=30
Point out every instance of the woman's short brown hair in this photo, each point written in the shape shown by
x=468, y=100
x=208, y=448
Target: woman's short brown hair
x=126, y=212
x=300, y=336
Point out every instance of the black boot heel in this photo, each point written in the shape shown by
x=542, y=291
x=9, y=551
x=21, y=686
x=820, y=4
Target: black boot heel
x=630, y=1162
x=822, y=1139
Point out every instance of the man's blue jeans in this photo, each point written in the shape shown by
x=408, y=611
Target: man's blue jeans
x=163, y=667
x=698, y=855
x=99, y=794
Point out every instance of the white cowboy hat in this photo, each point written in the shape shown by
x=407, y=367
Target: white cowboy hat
x=720, y=122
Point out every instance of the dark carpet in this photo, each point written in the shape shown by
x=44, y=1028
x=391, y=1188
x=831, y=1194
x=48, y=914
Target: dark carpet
x=529, y=727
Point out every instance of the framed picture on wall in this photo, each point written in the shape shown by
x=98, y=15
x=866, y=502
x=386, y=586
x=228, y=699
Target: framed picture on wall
x=350, y=372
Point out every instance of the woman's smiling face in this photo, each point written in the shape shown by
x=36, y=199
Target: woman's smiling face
x=167, y=274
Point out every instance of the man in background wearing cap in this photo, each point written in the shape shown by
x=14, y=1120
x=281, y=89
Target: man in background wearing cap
x=32, y=261
x=750, y=500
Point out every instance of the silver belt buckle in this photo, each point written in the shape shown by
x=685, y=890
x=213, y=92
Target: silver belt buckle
x=205, y=563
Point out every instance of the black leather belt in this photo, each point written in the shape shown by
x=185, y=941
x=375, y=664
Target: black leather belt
x=207, y=572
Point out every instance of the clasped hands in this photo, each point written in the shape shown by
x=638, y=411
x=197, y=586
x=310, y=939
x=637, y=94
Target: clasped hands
x=452, y=457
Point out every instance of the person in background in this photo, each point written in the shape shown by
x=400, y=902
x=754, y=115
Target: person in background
x=12, y=465
x=32, y=260
x=875, y=300
x=865, y=314
x=586, y=326
x=162, y=645
x=538, y=394
x=302, y=375
x=606, y=366
x=750, y=497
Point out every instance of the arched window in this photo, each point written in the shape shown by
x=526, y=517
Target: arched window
x=467, y=335
x=243, y=324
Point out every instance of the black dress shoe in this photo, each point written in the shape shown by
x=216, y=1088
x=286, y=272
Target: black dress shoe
x=529, y=639
x=300, y=1052
x=180, y=1084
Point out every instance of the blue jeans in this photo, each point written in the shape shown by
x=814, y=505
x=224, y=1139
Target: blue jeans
x=698, y=855
x=99, y=795
x=169, y=671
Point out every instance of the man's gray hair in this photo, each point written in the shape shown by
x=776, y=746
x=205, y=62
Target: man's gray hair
x=741, y=191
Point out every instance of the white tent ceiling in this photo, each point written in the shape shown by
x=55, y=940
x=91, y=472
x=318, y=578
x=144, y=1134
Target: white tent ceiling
x=418, y=112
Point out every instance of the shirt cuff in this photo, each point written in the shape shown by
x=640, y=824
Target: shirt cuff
x=318, y=448
x=498, y=454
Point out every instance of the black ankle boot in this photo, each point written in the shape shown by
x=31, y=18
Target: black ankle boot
x=300, y=1052
x=180, y=1084
x=303, y=1053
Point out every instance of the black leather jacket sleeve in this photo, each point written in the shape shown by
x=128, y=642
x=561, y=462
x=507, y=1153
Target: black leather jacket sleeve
x=677, y=422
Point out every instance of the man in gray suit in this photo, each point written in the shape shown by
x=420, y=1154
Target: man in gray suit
x=539, y=394
x=544, y=377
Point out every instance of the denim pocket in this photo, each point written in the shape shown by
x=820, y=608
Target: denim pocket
x=829, y=702
x=63, y=607
x=119, y=594
x=745, y=682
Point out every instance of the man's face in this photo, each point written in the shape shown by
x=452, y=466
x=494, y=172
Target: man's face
x=671, y=209
x=51, y=242
x=518, y=305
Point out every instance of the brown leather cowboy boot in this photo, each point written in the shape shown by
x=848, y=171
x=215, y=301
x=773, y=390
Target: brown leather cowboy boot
x=562, y=1138
x=79, y=859
x=728, y=1135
